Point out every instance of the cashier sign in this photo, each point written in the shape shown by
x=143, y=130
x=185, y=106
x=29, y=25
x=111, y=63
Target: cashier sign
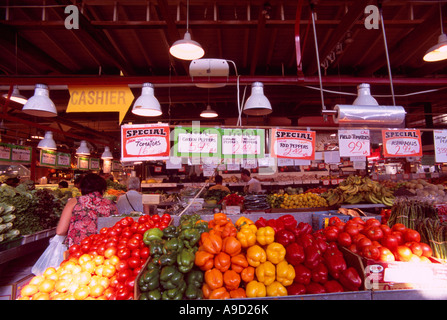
x=292, y=144
x=145, y=142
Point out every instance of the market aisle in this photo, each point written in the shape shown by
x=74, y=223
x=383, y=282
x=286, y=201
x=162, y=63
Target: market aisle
x=14, y=270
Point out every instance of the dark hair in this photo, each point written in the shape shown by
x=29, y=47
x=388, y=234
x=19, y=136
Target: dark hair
x=246, y=172
x=63, y=184
x=218, y=179
x=92, y=183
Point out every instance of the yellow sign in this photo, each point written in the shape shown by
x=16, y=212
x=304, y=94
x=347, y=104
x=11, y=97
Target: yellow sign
x=100, y=99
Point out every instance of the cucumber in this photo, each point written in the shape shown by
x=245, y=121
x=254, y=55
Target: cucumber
x=12, y=234
x=8, y=218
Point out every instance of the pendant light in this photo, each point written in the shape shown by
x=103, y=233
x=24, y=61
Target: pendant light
x=147, y=105
x=40, y=104
x=257, y=104
x=439, y=51
x=106, y=155
x=47, y=143
x=83, y=149
x=16, y=96
x=208, y=113
x=186, y=48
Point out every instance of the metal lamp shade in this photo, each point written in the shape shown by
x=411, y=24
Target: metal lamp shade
x=16, y=96
x=83, y=149
x=208, y=113
x=439, y=51
x=40, y=104
x=187, y=49
x=107, y=154
x=147, y=105
x=257, y=104
x=47, y=143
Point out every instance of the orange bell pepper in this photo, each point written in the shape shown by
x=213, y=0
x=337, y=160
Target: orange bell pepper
x=239, y=262
x=229, y=230
x=222, y=261
x=219, y=293
x=220, y=218
x=206, y=290
x=231, y=279
x=211, y=242
x=214, y=278
x=242, y=221
x=204, y=260
x=256, y=255
x=231, y=245
x=238, y=293
x=248, y=274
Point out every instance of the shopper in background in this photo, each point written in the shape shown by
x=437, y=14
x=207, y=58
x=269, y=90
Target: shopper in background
x=132, y=200
x=218, y=186
x=252, y=185
x=79, y=219
x=63, y=184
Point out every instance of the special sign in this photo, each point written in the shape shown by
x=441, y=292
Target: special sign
x=293, y=144
x=402, y=143
x=145, y=142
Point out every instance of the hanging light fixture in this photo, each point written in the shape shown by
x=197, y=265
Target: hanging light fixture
x=147, y=105
x=439, y=51
x=40, y=104
x=208, y=113
x=106, y=154
x=186, y=48
x=16, y=96
x=257, y=104
x=47, y=143
x=83, y=149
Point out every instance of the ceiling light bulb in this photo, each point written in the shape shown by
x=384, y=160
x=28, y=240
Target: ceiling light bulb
x=208, y=113
x=83, y=149
x=106, y=154
x=439, y=51
x=147, y=105
x=40, y=104
x=187, y=49
x=257, y=104
x=47, y=143
x=16, y=96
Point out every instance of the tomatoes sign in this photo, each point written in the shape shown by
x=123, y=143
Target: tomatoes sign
x=293, y=144
x=402, y=143
x=354, y=143
x=440, y=142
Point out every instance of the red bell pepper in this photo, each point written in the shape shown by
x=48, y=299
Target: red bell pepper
x=296, y=289
x=302, y=275
x=295, y=254
x=276, y=224
x=305, y=240
x=261, y=222
x=312, y=256
x=289, y=221
x=302, y=228
x=315, y=288
x=320, y=273
x=335, y=262
x=350, y=279
x=333, y=286
x=321, y=244
x=284, y=237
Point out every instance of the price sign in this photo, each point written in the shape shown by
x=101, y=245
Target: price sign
x=197, y=142
x=246, y=143
x=402, y=143
x=293, y=144
x=354, y=143
x=440, y=142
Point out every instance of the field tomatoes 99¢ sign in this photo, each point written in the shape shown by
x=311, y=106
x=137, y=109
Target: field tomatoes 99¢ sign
x=402, y=143
x=354, y=143
x=145, y=142
x=292, y=144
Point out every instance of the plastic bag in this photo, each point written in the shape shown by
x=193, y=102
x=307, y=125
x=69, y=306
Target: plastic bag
x=52, y=256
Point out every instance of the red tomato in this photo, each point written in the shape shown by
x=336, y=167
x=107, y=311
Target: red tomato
x=123, y=294
x=74, y=248
x=331, y=233
x=133, y=244
x=385, y=229
x=333, y=221
x=415, y=247
x=155, y=218
x=372, y=222
x=356, y=238
x=142, y=228
x=403, y=253
x=134, y=227
x=135, y=253
x=123, y=275
x=386, y=255
x=371, y=252
x=166, y=217
x=134, y=262
x=340, y=226
x=363, y=242
x=122, y=265
x=130, y=283
x=426, y=250
x=353, y=248
x=162, y=225
x=390, y=241
x=123, y=253
x=144, y=218
x=103, y=230
x=144, y=252
x=374, y=233
x=358, y=220
x=411, y=235
x=399, y=236
x=110, y=252
x=352, y=229
x=399, y=227
x=138, y=236
x=344, y=239
x=85, y=247
x=127, y=232
x=101, y=249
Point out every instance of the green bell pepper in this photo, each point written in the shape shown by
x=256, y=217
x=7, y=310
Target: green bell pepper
x=193, y=293
x=156, y=247
x=170, y=277
x=167, y=259
x=151, y=279
x=173, y=245
x=170, y=232
x=185, y=260
x=175, y=293
x=153, y=265
x=195, y=278
x=152, y=234
x=190, y=237
x=152, y=295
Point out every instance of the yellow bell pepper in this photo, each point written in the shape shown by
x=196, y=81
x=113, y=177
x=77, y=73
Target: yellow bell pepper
x=276, y=289
x=242, y=221
x=265, y=235
x=255, y=289
x=285, y=273
x=256, y=255
x=246, y=237
x=275, y=252
x=251, y=227
x=266, y=273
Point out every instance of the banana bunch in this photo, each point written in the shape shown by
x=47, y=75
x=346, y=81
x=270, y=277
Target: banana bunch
x=356, y=189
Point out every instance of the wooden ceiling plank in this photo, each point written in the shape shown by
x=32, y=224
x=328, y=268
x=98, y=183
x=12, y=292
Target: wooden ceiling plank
x=260, y=36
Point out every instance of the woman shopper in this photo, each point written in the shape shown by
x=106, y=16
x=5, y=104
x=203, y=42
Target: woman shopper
x=132, y=200
x=79, y=219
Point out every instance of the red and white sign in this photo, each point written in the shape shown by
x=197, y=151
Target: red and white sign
x=354, y=143
x=293, y=144
x=402, y=143
x=145, y=142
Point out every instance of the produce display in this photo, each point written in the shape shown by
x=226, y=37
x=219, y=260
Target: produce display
x=425, y=190
x=356, y=189
x=294, y=201
x=7, y=228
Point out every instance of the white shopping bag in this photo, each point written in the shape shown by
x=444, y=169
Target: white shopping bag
x=52, y=256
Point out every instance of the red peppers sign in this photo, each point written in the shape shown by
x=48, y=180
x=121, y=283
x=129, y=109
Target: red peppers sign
x=145, y=142
x=292, y=144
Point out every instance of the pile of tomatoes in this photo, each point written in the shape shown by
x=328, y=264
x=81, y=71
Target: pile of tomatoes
x=373, y=240
x=103, y=266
